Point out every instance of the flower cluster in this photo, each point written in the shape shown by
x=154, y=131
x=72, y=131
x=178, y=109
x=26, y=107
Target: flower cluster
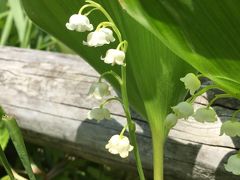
x=102, y=35
x=185, y=109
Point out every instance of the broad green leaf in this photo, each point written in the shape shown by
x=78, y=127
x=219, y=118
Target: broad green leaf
x=205, y=33
x=153, y=71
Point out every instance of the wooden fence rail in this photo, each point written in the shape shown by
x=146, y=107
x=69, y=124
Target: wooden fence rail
x=47, y=94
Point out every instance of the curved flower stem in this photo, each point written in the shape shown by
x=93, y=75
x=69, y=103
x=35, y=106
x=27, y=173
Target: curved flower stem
x=235, y=114
x=200, y=76
x=90, y=11
x=86, y=6
x=115, y=75
x=200, y=92
x=122, y=81
x=218, y=97
x=109, y=100
x=123, y=130
x=113, y=26
x=124, y=44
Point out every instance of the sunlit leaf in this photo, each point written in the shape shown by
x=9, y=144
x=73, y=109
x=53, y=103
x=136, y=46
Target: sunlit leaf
x=205, y=33
x=153, y=71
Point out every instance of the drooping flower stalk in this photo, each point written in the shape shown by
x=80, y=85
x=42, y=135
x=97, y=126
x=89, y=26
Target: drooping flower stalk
x=102, y=35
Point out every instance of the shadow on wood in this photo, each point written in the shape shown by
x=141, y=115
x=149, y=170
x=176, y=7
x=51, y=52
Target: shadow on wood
x=47, y=94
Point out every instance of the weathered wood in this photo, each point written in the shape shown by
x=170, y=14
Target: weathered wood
x=47, y=93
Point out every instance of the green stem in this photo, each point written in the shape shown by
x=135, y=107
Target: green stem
x=113, y=26
x=158, y=141
x=115, y=75
x=123, y=130
x=109, y=100
x=200, y=76
x=200, y=92
x=6, y=164
x=131, y=125
x=218, y=97
x=235, y=114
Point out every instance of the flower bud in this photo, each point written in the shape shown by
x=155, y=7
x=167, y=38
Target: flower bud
x=183, y=110
x=99, y=37
x=79, y=23
x=191, y=82
x=233, y=164
x=114, y=56
x=119, y=145
x=99, y=90
x=231, y=128
x=205, y=115
x=170, y=121
x=99, y=114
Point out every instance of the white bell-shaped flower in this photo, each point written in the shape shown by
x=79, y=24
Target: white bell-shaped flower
x=99, y=90
x=170, y=121
x=205, y=115
x=99, y=114
x=233, y=164
x=119, y=145
x=191, y=82
x=114, y=56
x=99, y=37
x=231, y=128
x=183, y=110
x=80, y=23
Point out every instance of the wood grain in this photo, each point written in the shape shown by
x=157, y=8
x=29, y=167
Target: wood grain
x=47, y=93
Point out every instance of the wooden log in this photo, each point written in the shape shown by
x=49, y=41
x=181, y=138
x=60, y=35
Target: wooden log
x=47, y=94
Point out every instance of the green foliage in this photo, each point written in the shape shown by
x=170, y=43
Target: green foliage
x=4, y=162
x=4, y=136
x=204, y=33
x=17, y=139
x=149, y=62
x=17, y=30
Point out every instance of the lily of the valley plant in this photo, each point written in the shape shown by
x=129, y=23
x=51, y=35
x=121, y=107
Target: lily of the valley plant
x=107, y=32
x=104, y=35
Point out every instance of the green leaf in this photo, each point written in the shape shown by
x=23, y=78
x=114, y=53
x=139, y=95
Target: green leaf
x=5, y=163
x=17, y=139
x=204, y=33
x=19, y=19
x=5, y=178
x=153, y=71
x=6, y=30
x=4, y=136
